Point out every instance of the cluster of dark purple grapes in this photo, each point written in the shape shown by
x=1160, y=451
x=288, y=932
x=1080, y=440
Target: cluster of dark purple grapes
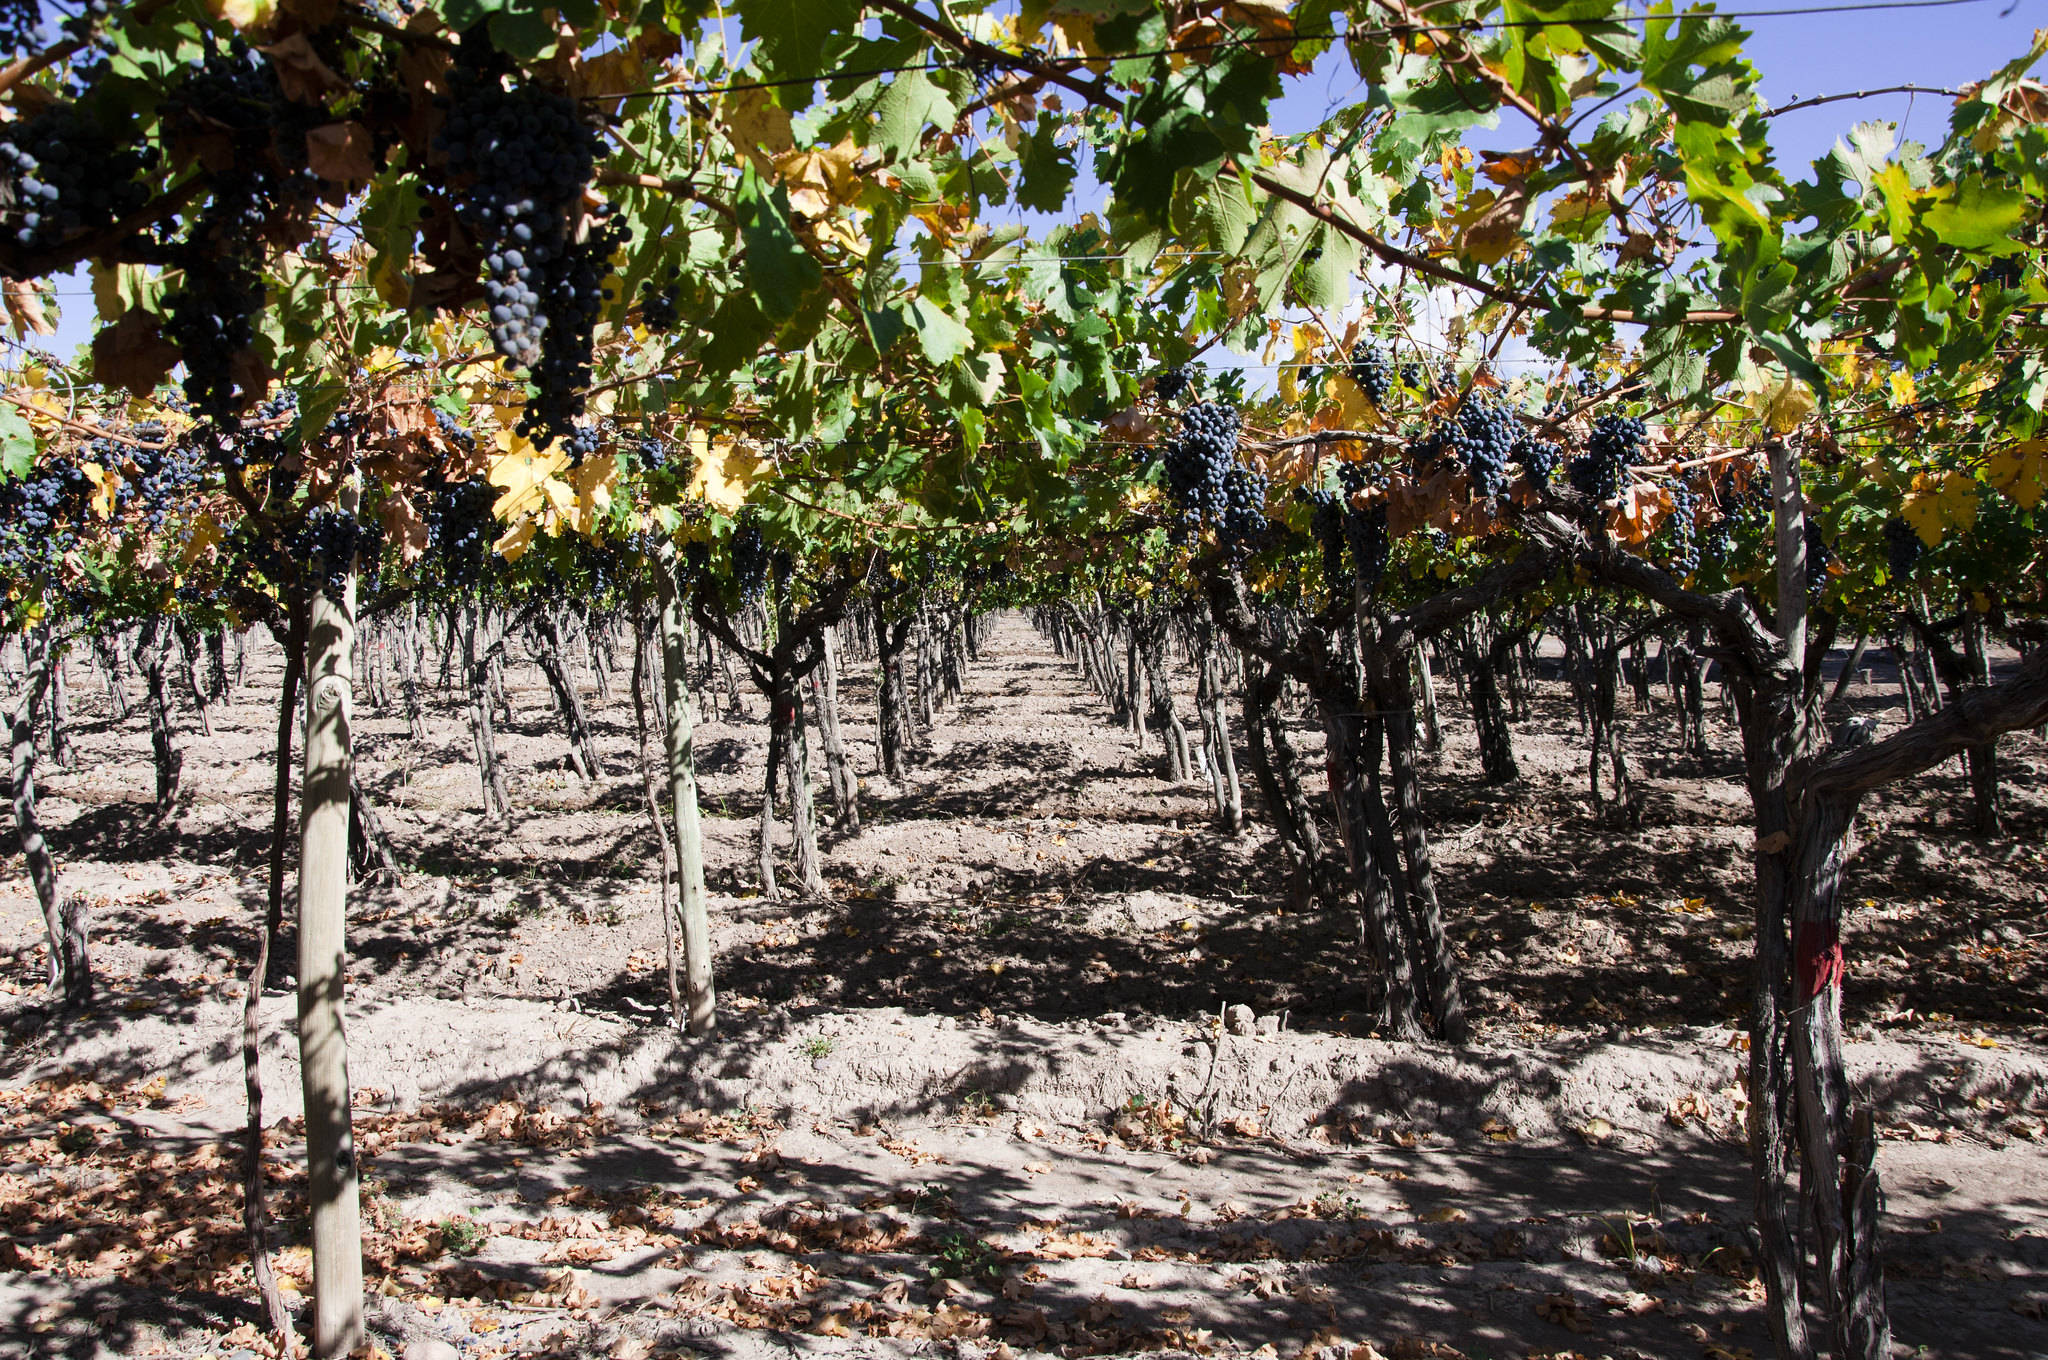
x=1902, y=547
x=266, y=178
x=39, y=517
x=1539, y=459
x=524, y=157
x=583, y=442
x=1615, y=444
x=659, y=303
x=1682, y=548
x=1326, y=524
x=209, y=320
x=1173, y=384
x=1373, y=372
x=89, y=13
x=574, y=298
x=1716, y=540
x=1244, y=507
x=1198, y=460
x=452, y=427
x=1484, y=437
x=64, y=173
x=331, y=543
x=282, y=407
x=1751, y=511
x=749, y=561
x=21, y=24
x=1208, y=483
x=1365, y=531
x=460, y=529
x=1427, y=447
x=269, y=440
x=163, y=475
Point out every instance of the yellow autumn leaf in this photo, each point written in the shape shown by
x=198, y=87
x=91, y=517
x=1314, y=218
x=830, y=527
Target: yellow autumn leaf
x=819, y=181
x=834, y=231
x=105, y=484
x=244, y=14
x=560, y=498
x=2020, y=471
x=592, y=483
x=1354, y=409
x=513, y=543
x=442, y=336
x=1308, y=344
x=205, y=533
x=724, y=472
x=1240, y=290
x=1938, y=503
x=1783, y=407
x=757, y=122
x=1490, y=227
x=1904, y=391
x=521, y=473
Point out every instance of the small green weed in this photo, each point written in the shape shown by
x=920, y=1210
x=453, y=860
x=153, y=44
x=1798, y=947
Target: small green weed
x=463, y=1236
x=960, y=1257
x=1330, y=1204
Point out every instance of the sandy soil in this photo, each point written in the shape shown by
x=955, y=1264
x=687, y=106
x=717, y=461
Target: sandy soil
x=980, y=1094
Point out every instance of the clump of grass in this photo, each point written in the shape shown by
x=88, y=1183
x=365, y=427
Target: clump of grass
x=463, y=1236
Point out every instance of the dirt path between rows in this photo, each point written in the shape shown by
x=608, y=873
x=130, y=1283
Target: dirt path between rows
x=980, y=1094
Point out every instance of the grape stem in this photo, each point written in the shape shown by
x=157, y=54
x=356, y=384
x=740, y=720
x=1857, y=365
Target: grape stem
x=95, y=431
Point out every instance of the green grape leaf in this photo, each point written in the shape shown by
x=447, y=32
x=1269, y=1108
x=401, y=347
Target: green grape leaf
x=792, y=35
x=1324, y=279
x=1048, y=170
x=779, y=270
x=941, y=337
x=1979, y=217
x=319, y=398
x=17, y=445
x=911, y=102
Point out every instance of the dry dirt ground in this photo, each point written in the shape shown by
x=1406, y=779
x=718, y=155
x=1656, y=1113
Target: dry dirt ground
x=979, y=1098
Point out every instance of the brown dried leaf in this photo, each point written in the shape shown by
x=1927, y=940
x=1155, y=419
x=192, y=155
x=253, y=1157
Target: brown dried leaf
x=340, y=152
x=1132, y=424
x=1563, y=1309
x=1495, y=229
x=304, y=78
x=133, y=354
x=25, y=309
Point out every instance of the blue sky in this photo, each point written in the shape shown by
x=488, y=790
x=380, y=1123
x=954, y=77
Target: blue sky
x=1799, y=55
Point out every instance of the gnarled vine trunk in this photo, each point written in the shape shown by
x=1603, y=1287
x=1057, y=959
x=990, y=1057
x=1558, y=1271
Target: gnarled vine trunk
x=69, y=971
